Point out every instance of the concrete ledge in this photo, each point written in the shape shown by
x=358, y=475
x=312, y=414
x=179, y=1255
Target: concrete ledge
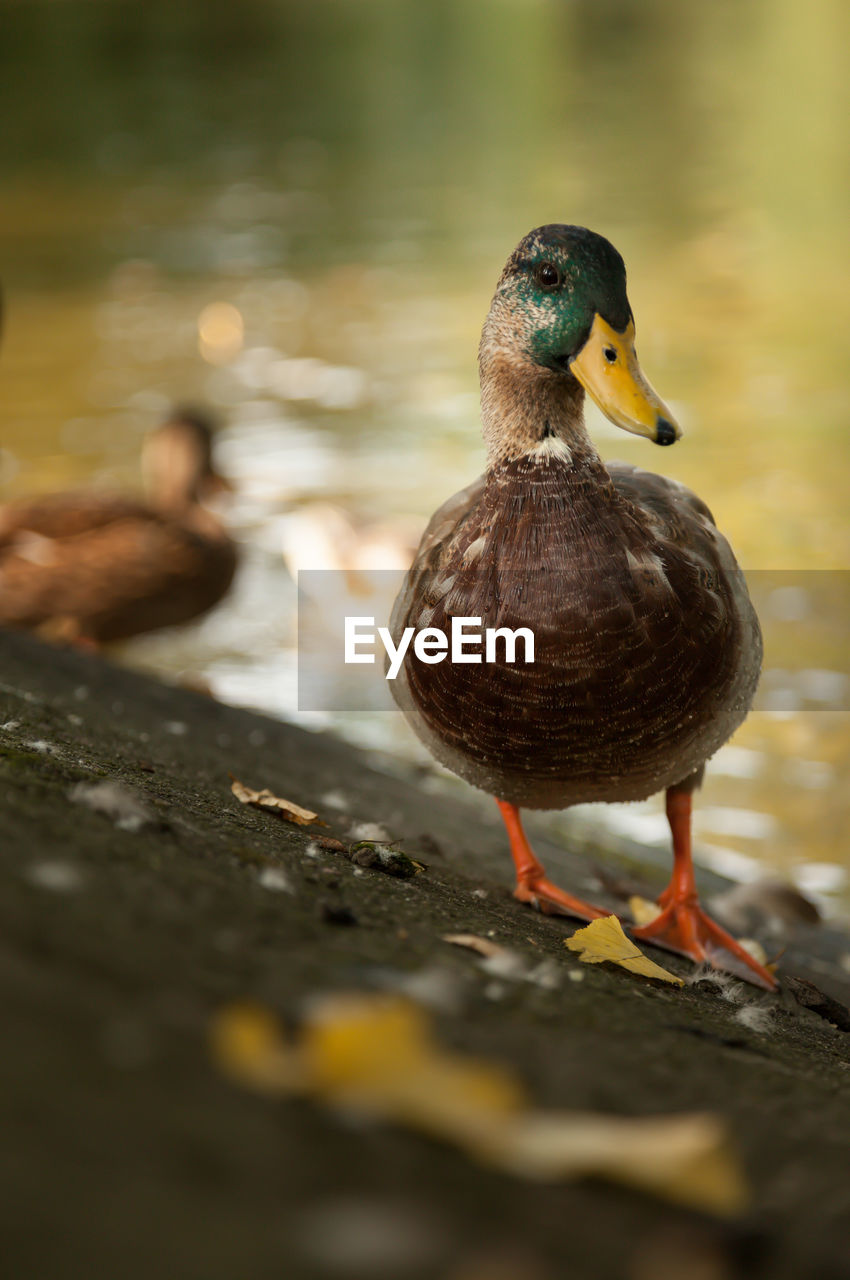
x=127, y=1154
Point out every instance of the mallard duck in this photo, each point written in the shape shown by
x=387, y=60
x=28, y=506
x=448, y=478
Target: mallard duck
x=647, y=650
x=90, y=568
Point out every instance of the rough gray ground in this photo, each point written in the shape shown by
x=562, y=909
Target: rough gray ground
x=125, y=1153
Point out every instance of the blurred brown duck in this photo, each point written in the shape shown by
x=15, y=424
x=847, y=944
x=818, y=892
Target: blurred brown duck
x=90, y=568
x=647, y=650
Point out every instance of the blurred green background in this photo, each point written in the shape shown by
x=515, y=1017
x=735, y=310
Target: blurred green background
x=296, y=213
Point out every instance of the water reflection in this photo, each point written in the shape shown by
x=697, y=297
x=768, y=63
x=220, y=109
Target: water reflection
x=347, y=180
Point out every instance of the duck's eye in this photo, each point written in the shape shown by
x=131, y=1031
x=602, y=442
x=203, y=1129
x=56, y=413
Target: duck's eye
x=610, y=355
x=547, y=275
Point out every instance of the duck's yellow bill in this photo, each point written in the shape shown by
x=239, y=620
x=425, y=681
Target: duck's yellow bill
x=608, y=370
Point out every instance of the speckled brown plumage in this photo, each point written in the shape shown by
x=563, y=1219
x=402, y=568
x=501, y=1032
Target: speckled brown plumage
x=646, y=654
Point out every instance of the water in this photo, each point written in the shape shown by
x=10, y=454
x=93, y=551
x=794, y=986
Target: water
x=297, y=214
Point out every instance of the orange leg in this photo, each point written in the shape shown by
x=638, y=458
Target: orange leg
x=682, y=924
x=531, y=884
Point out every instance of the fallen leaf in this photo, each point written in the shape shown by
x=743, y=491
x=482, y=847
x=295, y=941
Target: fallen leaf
x=502, y=962
x=643, y=911
x=373, y=1054
x=604, y=940
x=246, y=1043
x=271, y=803
x=376, y=1055
x=754, y=948
x=331, y=844
x=484, y=946
x=684, y=1158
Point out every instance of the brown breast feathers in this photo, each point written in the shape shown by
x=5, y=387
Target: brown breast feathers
x=646, y=650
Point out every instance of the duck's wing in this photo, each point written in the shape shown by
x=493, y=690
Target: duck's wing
x=63, y=515
x=126, y=577
x=447, y=524
x=675, y=514
x=698, y=561
x=449, y=519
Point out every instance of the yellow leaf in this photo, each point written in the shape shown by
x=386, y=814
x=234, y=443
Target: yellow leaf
x=378, y=1052
x=684, y=1158
x=604, y=939
x=247, y=1045
x=376, y=1055
x=372, y=1053
x=756, y=950
x=267, y=800
x=643, y=911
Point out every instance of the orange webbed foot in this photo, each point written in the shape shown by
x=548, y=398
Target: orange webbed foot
x=681, y=924
x=684, y=927
x=547, y=897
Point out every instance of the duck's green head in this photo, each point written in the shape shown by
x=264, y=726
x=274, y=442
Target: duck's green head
x=562, y=301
